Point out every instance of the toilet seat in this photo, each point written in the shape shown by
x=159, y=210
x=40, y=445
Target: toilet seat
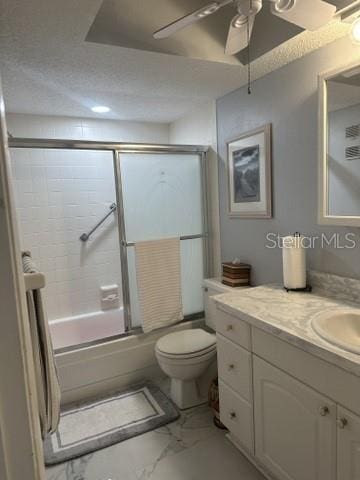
x=186, y=344
x=186, y=356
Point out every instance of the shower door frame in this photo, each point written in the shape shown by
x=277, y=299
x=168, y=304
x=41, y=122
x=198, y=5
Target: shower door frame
x=119, y=148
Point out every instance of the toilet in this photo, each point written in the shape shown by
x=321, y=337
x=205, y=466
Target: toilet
x=186, y=355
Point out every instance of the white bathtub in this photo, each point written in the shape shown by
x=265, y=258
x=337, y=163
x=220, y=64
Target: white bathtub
x=72, y=331
x=95, y=369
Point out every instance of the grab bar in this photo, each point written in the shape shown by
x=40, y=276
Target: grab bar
x=84, y=237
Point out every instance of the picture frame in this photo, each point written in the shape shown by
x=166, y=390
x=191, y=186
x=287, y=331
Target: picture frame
x=249, y=173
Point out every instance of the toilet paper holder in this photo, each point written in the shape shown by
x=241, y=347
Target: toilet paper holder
x=308, y=289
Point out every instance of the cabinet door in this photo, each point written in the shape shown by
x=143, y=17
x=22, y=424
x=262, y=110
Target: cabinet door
x=295, y=427
x=348, y=438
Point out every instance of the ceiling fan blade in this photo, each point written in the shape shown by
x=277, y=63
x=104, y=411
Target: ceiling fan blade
x=189, y=19
x=237, y=38
x=307, y=14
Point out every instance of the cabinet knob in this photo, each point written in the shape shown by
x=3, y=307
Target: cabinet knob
x=232, y=415
x=231, y=366
x=229, y=328
x=324, y=411
x=206, y=289
x=342, y=422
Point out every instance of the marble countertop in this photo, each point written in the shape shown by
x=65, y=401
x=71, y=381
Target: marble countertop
x=288, y=316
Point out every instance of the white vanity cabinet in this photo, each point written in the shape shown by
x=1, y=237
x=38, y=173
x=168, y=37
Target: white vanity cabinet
x=295, y=427
x=296, y=416
x=235, y=378
x=348, y=445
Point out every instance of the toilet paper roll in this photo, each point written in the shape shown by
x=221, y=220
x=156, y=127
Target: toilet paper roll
x=294, y=262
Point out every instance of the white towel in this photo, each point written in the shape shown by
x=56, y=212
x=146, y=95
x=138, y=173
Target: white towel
x=158, y=275
x=48, y=389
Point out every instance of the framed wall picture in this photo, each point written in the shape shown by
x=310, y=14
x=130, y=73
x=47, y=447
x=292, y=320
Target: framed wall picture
x=249, y=174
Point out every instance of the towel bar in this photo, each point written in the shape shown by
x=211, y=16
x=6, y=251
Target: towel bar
x=34, y=281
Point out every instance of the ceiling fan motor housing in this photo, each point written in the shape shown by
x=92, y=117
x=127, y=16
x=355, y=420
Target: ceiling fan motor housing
x=249, y=7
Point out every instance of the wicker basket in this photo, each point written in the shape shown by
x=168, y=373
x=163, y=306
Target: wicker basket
x=214, y=403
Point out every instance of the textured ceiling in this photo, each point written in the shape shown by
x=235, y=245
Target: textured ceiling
x=48, y=68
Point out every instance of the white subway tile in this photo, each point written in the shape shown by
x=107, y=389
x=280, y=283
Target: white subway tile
x=66, y=172
x=55, y=198
x=38, y=173
x=55, y=186
x=53, y=172
x=59, y=195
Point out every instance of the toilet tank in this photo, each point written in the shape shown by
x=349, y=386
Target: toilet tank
x=213, y=286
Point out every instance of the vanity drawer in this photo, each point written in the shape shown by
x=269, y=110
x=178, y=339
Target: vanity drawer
x=234, y=366
x=233, y=328
x=236, y=414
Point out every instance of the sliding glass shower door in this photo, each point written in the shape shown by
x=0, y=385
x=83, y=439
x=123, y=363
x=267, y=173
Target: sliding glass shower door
x=60, y=195
x=81, y=207
x=162, y=197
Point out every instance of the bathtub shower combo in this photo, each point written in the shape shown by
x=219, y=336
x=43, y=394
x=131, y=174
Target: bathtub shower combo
x=82, y=205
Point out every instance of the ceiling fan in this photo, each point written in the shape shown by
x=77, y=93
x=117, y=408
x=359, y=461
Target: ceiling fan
x=307, y=14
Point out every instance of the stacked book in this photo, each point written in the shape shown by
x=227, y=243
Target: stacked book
x=236, y=274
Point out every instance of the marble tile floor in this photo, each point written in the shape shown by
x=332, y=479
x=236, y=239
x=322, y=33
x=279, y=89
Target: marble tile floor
x=188, y=449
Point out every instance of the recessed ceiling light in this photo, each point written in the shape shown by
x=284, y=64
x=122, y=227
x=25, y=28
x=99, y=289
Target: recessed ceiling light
x=100, y=109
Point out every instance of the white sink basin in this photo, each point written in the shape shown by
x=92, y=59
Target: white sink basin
x=341, y=328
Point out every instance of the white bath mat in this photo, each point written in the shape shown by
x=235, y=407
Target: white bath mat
x=100, y=423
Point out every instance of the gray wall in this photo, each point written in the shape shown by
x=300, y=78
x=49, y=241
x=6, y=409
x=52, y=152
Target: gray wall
x=288, y=99
x=344, y=175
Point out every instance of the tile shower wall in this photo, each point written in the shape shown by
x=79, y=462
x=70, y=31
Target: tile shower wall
x=60, y=194
x=41, y=126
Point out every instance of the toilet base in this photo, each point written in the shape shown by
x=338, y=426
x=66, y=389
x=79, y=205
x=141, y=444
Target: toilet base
x=186, y=394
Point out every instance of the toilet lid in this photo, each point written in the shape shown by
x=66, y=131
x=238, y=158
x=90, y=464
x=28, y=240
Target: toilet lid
x=186, y=342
